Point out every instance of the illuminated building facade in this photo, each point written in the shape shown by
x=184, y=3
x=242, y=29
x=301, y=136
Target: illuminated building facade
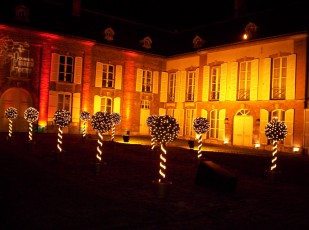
x=239, y=87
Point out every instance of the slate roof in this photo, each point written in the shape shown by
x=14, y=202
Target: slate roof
x=52, y=16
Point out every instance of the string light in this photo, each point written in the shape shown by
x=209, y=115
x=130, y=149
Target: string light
x=151, y=121
x=116, y=118
x=165, y=129
x=11, y=113
x=84, y=116
x=101, y=122
x=31, y=115
x=276, y=131
x=62, y=118
x=200, y=125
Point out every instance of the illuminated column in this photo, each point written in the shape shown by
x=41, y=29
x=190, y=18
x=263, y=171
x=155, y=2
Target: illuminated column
x=44, y=85
x=86, y=81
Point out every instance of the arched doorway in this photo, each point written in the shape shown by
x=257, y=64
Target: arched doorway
x=243, y=128
x=19, y=99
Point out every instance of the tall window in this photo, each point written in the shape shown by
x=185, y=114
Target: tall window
x=147, y=81
x=66, y=69
x=106, y=104
x=171, y=87
x=214, y=124
x=244, y=79
x=189, y=122
x=145, y=104
x=108, y=74
x=190, y=86
x=279, y=75
x=278, y=114
x=64, y=101
x=215, y=83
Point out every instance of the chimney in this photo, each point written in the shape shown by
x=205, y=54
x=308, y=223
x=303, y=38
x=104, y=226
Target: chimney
x=76, y=7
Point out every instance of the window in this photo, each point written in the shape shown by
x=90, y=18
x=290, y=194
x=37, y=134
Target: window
x=145, y=104
x=215, y=83
x=189, y=122
x=108, y=74
x=171, y=87
x=64, y=101
x=244, y=79
x=278, y=114
x=106, y=104
x=147, y=81
x=214, y=124
x=279, y=74
x=66, y=69
x=190, y=86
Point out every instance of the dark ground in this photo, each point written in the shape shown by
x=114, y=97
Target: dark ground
x=41, y=191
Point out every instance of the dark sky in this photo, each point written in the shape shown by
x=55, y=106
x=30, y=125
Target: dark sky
x=181, y=15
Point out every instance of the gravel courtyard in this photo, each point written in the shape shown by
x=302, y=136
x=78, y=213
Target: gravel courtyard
x=44, y=189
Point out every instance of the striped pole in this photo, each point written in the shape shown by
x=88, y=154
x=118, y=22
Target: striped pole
x=162, y=163
x=274, y=155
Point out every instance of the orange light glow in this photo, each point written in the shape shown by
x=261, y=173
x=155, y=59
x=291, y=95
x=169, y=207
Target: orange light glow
x=50, y=36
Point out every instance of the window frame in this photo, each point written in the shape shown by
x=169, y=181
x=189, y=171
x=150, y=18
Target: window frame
x=279, y=78
x=64, y=69
x=215, y=77
x=190, y=86
x=244, y=81
x=147, y=81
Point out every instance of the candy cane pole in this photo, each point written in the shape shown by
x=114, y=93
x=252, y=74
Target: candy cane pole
x=30, y=131
x=84, y=129
x=99, y=147
x=113, y=132
x=10, y=127
x=199, y=152
x=274, y=154
x=59, y=139
x=162, y=163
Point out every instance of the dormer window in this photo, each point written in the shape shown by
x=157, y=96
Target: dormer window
x=109, y=34
x=198, y=42
x=22, y=13
x=146, y=42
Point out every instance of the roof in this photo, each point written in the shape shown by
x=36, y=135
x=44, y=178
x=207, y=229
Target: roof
x=171, y=29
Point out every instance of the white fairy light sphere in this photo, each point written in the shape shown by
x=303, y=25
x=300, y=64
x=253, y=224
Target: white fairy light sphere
x=201, y=125
x=276, y=130
x=11, y=113
x=62, y=117
x=116, y=118
x=101, y=121
x=31, y=114
x=151, y=120
x=85, y=116
x=165, y=130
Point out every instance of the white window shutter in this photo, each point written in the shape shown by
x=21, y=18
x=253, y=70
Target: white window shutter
x=223, y=82
x=233, y=81
x=254, y=80
x=204, y=114
x=221, y=135
x=162, y=112
x=205, y=90
x=98, y=74
x=155, y=81
x=289, y=121
x=164, y=84
x=178, y=87
x=78, y=70
x=54, y=72
x=264, y=115
x=116, y=105
x=183, y=83
x=76, y=107
x=118, y=77
x=52, y=104
x=264, y=83
x=197, y=74
x=290, y=86
x=179, y=116
x=96, y=104
x=139, y=78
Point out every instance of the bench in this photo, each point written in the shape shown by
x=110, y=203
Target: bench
x=210, y=174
